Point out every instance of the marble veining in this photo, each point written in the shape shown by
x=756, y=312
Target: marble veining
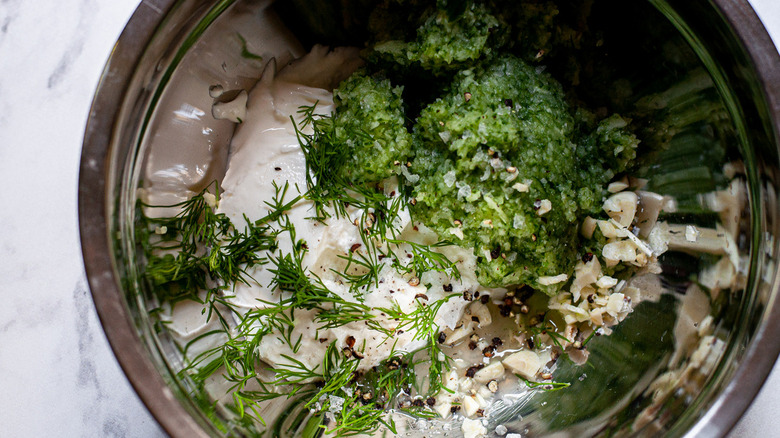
x=87, y=376
x=86, y=14
x=8, y=9
x=58, y=376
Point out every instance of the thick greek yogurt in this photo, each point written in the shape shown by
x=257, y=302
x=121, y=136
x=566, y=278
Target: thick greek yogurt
x=265, y=153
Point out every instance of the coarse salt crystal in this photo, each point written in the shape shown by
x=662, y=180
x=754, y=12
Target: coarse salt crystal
x=449, y=178
x=691, y=233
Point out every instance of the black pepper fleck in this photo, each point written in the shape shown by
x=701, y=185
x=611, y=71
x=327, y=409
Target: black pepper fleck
x=473, y=370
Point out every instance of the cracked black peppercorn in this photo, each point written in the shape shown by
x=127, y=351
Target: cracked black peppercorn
x=473, y=370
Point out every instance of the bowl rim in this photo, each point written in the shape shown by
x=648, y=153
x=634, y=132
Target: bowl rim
x=104, y=285
x=107, y=294
x=761, y=354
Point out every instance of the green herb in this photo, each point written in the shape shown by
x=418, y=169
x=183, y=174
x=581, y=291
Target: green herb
x=421, y=322
x=590, y=336
x=333, y=194
x=544, y=386
x=206, y=241
x=425, y=258
x=198, y=248
x=245, y=53
x=544, y=329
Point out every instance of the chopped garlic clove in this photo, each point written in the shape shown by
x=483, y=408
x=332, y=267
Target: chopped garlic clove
x=606, y=282
x=470, y=406
x=457, y=232
x=588, y=227
x=607, y=229
x=650, y=205
x=585, y=274
x=460, y=332
x=520, y=187
x=526, y=363
x=547, y=281
x=544, y=207
x=620, y=251
x=481, y=312
x=596, y=317
x=622, y=207
x=615, y=304
x=465, y=385
x=494, y=371
x=658, y=238
x=443, y=409
x=617, y=186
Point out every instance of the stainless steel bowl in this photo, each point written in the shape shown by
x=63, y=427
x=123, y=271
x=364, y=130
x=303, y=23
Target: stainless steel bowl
x=171, y=44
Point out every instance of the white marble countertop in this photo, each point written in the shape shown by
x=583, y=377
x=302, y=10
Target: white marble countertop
x=58, y=376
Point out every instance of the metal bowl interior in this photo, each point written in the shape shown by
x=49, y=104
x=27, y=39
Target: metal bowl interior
x=713, y=60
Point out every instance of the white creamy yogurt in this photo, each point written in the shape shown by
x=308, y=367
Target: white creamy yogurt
x=265, y=151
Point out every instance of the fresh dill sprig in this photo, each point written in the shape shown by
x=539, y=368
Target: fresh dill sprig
x=354, y=412
x=207, y=247
x=421, y=321
x=245, y=52
x=425, y=258
x=544, y=386
x=333, y=195
x=200, y=255
x=544, y=329
x=308, y=291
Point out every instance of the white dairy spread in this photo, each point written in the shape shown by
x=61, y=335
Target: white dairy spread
x=265, y=151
